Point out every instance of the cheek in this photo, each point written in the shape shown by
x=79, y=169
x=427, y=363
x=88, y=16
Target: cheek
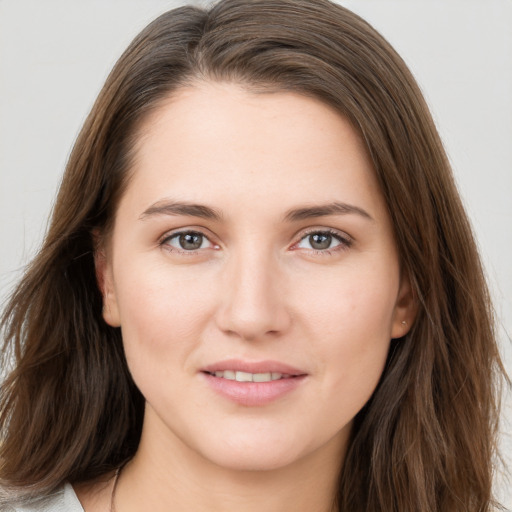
x=351, y=321
x=162, y=309
x=350, y=306
x=163, y=312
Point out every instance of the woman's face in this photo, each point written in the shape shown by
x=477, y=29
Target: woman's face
x=253, y=271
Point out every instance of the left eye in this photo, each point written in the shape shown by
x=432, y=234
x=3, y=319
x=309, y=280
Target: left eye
x=188, y=241
x=320, y=241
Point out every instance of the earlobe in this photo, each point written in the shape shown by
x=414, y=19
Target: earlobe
x=406, y=308
x=104, y=278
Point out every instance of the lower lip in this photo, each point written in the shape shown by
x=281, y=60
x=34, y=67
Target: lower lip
x=252, y=394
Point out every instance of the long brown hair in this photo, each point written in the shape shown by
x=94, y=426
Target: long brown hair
x=426, y=440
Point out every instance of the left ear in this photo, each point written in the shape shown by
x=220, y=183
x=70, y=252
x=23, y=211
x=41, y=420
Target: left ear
x=406, y=308
x=105, y=281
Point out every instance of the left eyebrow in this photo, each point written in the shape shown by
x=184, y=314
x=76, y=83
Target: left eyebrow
x=323, y=210
x=181, y=208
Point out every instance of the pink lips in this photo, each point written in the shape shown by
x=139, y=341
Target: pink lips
x=253, y=393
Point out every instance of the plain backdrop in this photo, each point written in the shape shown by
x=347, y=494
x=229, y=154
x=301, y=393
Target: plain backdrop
x=55, y=55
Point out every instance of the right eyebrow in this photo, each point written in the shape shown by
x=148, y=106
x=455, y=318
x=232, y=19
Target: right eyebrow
x=168, y=207
x=323, y=210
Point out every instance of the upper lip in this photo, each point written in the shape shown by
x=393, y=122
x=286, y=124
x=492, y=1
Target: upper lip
x=253, y=367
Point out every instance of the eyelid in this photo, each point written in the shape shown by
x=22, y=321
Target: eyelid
x=162, y=241
x=344, y=238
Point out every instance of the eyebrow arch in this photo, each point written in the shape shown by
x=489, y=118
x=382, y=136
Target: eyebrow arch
x=168, y=207
x=334, y=208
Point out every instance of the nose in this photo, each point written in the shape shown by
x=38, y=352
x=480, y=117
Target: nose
x=253, y=304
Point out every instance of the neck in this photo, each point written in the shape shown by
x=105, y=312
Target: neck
x=160, y=477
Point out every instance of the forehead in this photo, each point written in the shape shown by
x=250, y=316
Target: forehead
x=221, y=143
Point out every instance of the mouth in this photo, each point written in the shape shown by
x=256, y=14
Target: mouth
x=252, y=371
x=253, y=383
x=240, y=376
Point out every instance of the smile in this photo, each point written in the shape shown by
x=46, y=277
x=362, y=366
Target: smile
x=249, y=377
x=253, y=383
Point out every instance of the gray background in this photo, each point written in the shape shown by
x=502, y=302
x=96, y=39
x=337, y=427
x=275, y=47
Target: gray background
x=55, y=55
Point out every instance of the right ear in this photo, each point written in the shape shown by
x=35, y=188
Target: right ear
x=105, y=280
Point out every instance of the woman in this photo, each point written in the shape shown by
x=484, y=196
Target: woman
x=259, y=288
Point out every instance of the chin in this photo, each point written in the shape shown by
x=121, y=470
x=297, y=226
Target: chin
x=253, y=460
x=255, y=453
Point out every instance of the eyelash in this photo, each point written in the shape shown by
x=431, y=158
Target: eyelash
x=165, y=241
x=345, y=242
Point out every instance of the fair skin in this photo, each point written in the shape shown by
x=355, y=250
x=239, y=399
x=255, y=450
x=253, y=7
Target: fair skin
x=289, y=260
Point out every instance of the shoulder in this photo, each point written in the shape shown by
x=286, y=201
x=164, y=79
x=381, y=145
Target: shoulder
x=63, y=500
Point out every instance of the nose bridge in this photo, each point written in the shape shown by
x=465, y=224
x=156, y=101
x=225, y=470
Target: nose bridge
x=253, y=304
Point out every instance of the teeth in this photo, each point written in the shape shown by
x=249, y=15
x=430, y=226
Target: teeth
x=250, y=377
x=243, y=377
x=264, y=377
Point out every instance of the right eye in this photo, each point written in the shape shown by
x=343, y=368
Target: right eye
x=187, y=241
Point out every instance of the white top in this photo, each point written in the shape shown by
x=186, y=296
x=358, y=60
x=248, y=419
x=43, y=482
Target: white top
x=63, y=500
